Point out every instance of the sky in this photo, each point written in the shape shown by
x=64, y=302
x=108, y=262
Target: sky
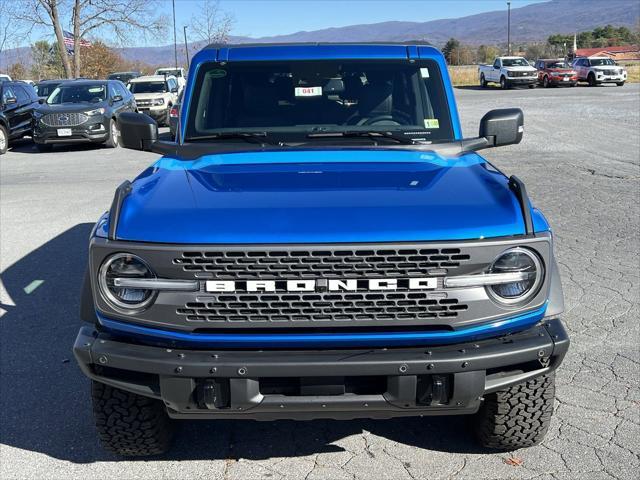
x=258, y=18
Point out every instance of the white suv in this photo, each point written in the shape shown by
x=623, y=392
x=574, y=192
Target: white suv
x=597, y=70
x=155, y=95
x=176, y=72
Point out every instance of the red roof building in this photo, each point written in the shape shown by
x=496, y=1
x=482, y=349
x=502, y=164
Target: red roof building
x=623, y=52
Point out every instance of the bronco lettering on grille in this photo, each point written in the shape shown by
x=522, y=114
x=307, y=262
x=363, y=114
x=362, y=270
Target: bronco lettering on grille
x=331, y=285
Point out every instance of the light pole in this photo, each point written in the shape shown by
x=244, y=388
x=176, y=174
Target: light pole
x=508, y=28
x=175, y=42
x=186, y=48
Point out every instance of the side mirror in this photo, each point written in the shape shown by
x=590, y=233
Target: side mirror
x=42, y=100
x=502, y=127
x=497, y=67
x=137, y=131
x=174, y=90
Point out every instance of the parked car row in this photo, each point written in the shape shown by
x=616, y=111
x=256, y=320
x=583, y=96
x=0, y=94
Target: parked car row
x=85, y=111
x=548, y=72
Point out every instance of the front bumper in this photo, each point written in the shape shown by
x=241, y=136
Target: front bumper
x=522, y=80
x=96, y=130
x=157, y=113
x=611, y=78
x=441, y=380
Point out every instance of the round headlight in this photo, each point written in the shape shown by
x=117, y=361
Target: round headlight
x=517, y=260
x=125, y=300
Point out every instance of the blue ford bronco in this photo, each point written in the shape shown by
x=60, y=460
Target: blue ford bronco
x=321, y=242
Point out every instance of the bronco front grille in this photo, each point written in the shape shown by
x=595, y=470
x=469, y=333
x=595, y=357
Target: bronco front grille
x=320, y=307
x=347, y=263
x=64, y=119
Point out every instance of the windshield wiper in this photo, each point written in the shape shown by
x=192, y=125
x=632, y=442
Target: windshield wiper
x=373, y=134
x=250, y=137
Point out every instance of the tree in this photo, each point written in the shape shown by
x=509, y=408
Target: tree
x=121, y=18
x=487, y=53
x=451, y=45
x=17, y=71
x=99, y=61
x=7, y=25
x=212, y=24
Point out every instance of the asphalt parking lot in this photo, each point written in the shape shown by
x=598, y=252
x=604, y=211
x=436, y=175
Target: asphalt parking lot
x=580, y=160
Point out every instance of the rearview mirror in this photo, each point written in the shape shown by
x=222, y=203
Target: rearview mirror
x=137, y=131
x=502, y=127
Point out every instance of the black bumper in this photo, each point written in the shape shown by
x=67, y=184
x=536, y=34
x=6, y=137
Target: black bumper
x=304, y=384
x=79, y=134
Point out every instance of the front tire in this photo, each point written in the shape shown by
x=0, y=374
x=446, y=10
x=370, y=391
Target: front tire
x=545, y=82
x=592, y=80
x=4, y=140
x=503, y=83
x=114, y=135
x=620, y=84
x=128, y=424
x=518, y=417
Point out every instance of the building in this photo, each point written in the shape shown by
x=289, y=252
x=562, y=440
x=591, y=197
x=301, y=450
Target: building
x=618, y=53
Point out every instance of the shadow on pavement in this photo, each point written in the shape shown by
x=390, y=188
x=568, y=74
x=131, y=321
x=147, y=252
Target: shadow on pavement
x=45, y=404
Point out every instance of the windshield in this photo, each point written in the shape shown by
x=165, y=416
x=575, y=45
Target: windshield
x=514, y=62
x=148, y=87
x=298, y=98
x=558, y=64
x=45, y=90
x=175, y=73
x=78, y=94
x=596, y=62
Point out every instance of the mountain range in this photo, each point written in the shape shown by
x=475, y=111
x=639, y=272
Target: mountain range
x=531, y=23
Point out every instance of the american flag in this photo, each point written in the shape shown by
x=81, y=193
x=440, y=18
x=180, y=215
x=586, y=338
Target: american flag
x=69, y=41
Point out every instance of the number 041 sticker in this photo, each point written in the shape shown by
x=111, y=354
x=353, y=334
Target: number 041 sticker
x=308, y=91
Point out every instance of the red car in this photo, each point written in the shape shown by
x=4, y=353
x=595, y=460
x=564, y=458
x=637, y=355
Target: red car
x=556, y=72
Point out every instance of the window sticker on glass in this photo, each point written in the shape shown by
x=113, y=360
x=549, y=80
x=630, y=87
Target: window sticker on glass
x=431, y=123
x=424, y=72
x=308, y=91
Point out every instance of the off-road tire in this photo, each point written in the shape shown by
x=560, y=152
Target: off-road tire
x=5, y=136
x=44, y=147
x=518, y=417
x=483, y=82
x=129, y=424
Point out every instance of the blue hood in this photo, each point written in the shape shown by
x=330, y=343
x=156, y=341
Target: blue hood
x=320, y=196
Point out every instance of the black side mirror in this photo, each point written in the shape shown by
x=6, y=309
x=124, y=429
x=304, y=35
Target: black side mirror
x=502, y=127
x=137, y=131
x=497, y=67
x=42, y=100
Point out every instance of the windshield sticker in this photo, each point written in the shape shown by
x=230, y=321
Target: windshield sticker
x=431, y=123
x=424, y=72
x=308, y=91
x=217, y=73
x=96, y=89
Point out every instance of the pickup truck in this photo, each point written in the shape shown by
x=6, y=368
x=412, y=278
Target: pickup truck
x=320, y=242
x=508, y=72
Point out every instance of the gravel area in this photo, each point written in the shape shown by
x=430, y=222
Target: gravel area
x=580, y=160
